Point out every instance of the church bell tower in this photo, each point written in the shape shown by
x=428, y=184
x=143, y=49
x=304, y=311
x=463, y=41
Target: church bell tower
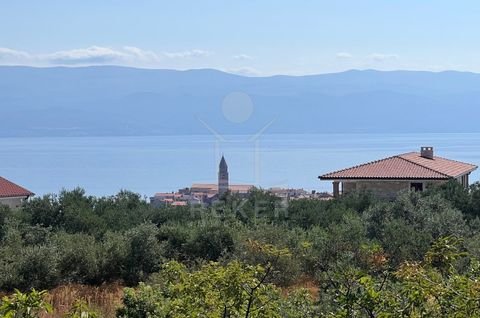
x=222, y=177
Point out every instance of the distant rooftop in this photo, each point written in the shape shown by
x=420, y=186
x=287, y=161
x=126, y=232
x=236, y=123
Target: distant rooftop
x=231, y=187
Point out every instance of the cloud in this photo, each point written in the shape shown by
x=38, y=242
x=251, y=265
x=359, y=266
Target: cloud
x=344, y=55
x=97, y=55
x=188, y=54
x=379, y=57
x=90, y=55
x=9, y=54
x=143, y=55
x=244, y=71
x=242, y=57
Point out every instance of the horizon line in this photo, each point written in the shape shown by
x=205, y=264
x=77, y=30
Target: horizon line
x=230, y=72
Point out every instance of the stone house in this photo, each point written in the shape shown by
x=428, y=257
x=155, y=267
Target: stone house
x=386, y=177
x=12, y=195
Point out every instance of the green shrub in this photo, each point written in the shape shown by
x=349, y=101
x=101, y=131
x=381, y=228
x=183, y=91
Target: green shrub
x=210, y=242
x=78, y=258
x=112, y=256
x=28, y=305
x=80, y=309
x=145, y=253
x=45, y=211
x=215, y=291
x=5, y=212
x=175, y=238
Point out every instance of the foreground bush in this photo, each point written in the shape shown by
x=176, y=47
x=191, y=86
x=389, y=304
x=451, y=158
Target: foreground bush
x=435, y=287
x=33, y=304
x=348, y=247
x=29, y=305
x=445, y=283
x=234, y=290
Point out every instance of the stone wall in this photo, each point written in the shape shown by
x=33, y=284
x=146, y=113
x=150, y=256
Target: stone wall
x=382, y=189
x=12, y=202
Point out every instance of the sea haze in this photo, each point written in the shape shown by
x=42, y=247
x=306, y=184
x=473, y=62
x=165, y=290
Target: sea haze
x=104, y=165
x=120, y=101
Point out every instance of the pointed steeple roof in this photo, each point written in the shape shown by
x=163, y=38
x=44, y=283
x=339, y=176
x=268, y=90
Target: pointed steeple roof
x=223, y=164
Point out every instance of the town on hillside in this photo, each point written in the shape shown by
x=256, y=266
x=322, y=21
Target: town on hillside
x=206, y=194
x=384, y=178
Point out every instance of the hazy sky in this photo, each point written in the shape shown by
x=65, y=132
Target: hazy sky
x=249, y=37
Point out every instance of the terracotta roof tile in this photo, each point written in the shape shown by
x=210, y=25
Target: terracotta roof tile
x=240, y=187
x=449, y=167
x=9, y=189
x=405, y=166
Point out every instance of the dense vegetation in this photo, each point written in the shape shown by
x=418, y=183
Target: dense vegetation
x=417, y=256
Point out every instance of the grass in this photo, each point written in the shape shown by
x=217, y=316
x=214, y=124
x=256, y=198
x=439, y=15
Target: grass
x=103, y=299
x=304, y=282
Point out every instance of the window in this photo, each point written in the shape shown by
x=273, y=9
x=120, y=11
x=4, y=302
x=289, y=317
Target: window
x=416, y=186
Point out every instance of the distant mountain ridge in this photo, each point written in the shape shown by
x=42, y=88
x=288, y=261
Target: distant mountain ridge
x=112, y=100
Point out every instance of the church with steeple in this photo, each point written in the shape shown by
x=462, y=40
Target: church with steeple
x=210, y=192
x=222, y=177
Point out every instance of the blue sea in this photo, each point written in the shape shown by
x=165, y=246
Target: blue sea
x=105, y=165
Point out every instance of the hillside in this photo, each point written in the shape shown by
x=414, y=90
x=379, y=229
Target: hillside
x=110, y=100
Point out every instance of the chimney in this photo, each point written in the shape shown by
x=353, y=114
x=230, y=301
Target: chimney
x=426, y=152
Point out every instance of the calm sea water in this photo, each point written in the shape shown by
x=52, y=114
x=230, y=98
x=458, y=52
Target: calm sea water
x=104, y=165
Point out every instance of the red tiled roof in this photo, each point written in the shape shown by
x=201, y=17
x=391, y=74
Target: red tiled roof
x=449, y=167
x=9, y=189
x=406, y=166
x=240, y=187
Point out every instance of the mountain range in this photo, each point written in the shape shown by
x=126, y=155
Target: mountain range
x=112, y=100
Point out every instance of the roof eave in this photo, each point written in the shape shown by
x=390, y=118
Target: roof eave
x=17, y=195
x=466, y=172
x=382, y=178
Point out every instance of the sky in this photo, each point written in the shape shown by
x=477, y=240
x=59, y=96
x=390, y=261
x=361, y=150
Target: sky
x=253, y=38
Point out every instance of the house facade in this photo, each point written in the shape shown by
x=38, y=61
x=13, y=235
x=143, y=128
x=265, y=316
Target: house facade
x=385, y=178
x=12, y=195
